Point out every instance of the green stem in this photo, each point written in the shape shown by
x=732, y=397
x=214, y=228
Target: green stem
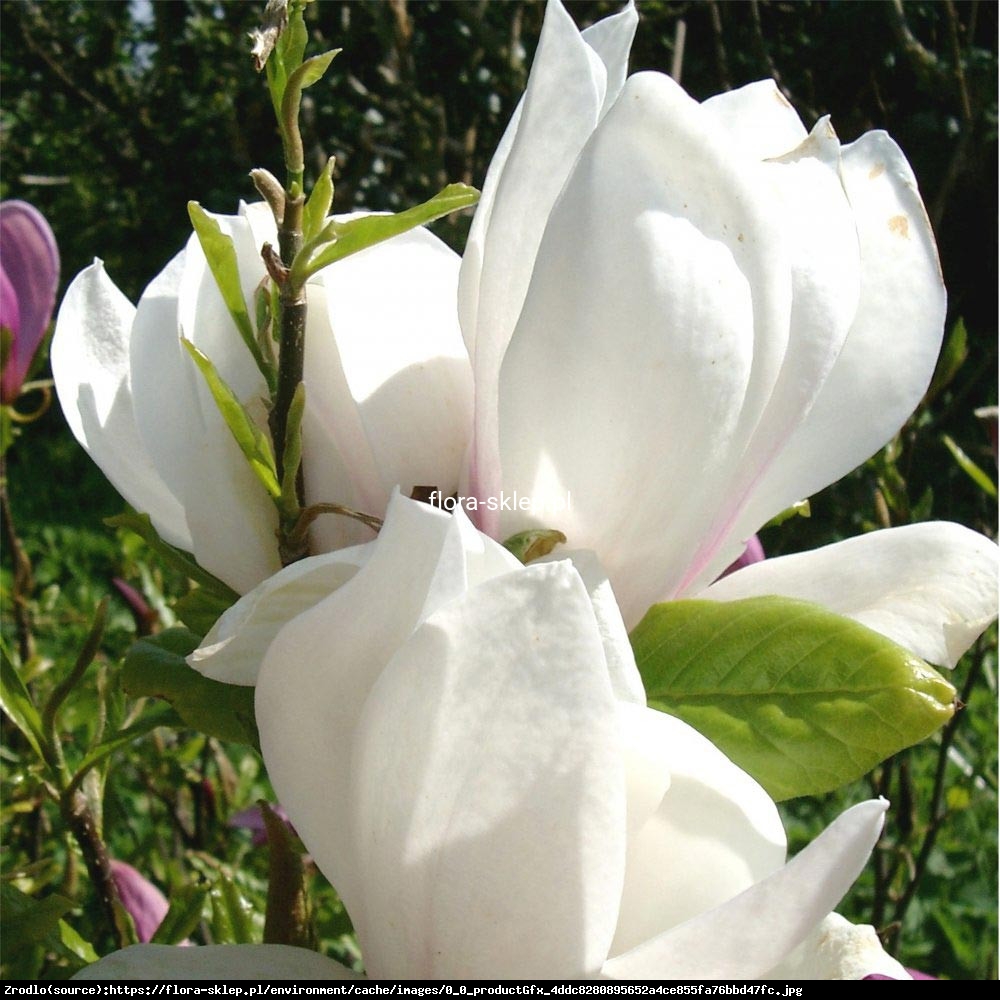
x=291, y=359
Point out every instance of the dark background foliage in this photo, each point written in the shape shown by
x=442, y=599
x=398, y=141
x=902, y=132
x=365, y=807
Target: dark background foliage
x=115, y=114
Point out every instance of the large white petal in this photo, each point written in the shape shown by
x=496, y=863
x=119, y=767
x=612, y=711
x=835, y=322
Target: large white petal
x=748, y=936
x=818, y=224
x=220, y=961
x=889, y=356
x=838, y=949
x=930, y=587
x=714, y=833
x=235, y=645
x=625, y=680
x=229, y=514
x=562, y=103
x=90, y=363
x=388, y=380
x=319, y=670
x=656, y=320
x=758, y=119
x=489, y=790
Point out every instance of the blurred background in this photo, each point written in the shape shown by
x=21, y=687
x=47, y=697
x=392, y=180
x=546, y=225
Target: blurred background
x=114, y=115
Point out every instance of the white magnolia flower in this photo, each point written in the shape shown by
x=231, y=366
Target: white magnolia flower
x=688, y=317
x=463, y=745
x=388, y=392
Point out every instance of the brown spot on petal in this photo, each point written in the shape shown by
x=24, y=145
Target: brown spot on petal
x=876, y=171
x=900, y=225
x=830, y=131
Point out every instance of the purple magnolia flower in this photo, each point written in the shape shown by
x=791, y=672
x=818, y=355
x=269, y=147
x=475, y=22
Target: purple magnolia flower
x=914, y=973
x=29, y=274
x=143, y=902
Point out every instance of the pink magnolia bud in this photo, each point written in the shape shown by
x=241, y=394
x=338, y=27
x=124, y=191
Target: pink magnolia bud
x=143, y=902
x=29, y=275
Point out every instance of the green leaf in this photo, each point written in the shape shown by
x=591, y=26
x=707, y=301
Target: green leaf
x=800, y=509
x=318, y=206
x=534, y=543
x=200, y=609
x=312, y=70
x=358, y=234
x=27, y=921
x=953, y=356
x=183, y=562
x=75, y=944
x=156, y=667
x=221, y=256
x=292, y=456
x=973, y=471
x=186, y=907
x=253, y=442
x=19, y=708
x=161, y=715
x=232, y=913
x=801, y=698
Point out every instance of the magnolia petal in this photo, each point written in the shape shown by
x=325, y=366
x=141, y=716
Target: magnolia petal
x=220, y=961
x=759, y=119
x=489, y=792
x=838, y=949
x=930, y=587
x=390, y=391
x=30, y=270
x=641, y=322
x=230, y=519
x=625, y=680
x=712, y=835
x=142, y=900
x=234, y=647
x=90, y=363
x=889, y=356
x=562, y=103
x=748, y=936
x=819, y=226
x=320, y=668
x=611, y=38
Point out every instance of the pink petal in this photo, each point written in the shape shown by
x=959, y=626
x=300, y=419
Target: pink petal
x=30, y=261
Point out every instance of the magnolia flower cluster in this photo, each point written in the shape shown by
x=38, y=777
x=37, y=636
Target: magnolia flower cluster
x=684, y=316
x=495, y=800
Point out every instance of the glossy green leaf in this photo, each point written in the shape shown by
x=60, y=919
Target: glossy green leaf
x=156, y=667
x=253, y=442
x=232, y=913
x=312, y=70
x=200, y=609
x=27, y=921
x=75, y=944
x=318, y=206
x=18, y=706
x=800, y=509
x=221, y=256
x=973, y=471
x=801, y=698
x=358, y=234
x=186, y=907
x=183, y=562
x=534, y=543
